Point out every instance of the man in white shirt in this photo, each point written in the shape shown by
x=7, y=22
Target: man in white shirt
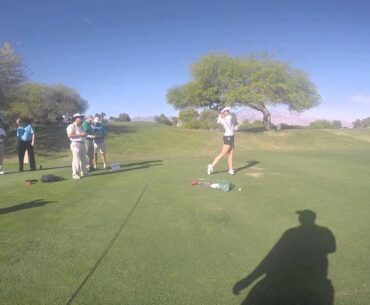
x=226, y=120
x=77, y=136
x=2, y=138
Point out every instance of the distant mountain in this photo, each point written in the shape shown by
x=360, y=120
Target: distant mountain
x=144, y=119
x=281, y=116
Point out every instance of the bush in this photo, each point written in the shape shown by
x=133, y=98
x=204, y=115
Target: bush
x=124, y=117
x=162, y=119
x=322, y=124
x=208, y=119
x=361, y=123
x=189, y=118
x=246, y=124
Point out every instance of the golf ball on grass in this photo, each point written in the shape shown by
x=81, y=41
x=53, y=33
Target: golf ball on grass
x=239, y=189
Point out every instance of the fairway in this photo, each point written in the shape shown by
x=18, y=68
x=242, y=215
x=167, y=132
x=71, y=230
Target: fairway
x=144, y=235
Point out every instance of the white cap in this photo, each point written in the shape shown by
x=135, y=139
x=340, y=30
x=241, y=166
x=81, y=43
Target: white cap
x=96, y=120
x=227, y=108
x=78, y=115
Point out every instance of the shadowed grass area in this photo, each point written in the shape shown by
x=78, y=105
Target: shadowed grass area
x=144, y=235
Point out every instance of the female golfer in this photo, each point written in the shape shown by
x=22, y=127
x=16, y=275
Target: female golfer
x=226, y=120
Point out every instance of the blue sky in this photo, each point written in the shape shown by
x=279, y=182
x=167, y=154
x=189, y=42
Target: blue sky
x=122, y=56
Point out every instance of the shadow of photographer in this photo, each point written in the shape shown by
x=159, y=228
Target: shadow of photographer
x=295, y=269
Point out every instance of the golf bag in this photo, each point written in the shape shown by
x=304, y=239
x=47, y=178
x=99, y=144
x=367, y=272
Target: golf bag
x=51, y=178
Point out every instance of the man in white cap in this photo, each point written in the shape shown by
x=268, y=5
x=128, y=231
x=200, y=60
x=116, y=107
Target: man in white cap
x=77, y=136
x=99, y=142
x=226, y=120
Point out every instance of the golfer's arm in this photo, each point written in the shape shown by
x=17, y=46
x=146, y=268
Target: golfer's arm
x=33, y=139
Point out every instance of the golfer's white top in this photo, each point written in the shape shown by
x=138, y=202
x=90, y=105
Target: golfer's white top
x=2, y=133
x=227, y=123
x=75, y=130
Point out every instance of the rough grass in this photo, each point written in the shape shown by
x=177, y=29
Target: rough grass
x=102, y=240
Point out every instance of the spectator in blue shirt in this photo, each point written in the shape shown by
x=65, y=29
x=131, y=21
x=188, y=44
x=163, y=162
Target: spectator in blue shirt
x=26, y=142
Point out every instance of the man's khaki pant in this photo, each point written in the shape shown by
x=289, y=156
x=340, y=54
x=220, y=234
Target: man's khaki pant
x=78, y=158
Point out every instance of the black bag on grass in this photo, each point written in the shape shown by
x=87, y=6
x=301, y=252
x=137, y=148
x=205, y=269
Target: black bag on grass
x=51, y=178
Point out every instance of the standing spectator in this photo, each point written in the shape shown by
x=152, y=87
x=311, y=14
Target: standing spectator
x=77, y=136
x=2, y=138
x=26, y=142
x=89, y=144
x=99, y=142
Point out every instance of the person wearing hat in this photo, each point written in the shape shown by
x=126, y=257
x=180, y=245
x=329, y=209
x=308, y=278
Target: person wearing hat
x=2, y=138
x=226, y=120
x=26, y=142
x=99, y=142
x=77, y=136
x=89, y=144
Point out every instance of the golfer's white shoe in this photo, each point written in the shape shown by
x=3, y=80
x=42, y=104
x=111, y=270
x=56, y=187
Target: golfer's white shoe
x=76, y=177
x=231, y=172
x=2, y=172
x=209, y=169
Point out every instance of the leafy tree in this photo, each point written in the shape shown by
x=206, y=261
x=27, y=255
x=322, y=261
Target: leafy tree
x=44, y=103
x=162, y=119
x=361, y=123
x=337, y=124
x=208, y=119
x=12, y=74
x=253, y=81
x=124, y=117
x=189, y=118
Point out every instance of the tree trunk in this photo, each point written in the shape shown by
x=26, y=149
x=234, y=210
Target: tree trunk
x=266, y=115
x=266, y=118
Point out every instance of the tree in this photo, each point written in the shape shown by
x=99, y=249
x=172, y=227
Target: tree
x=189, y=118
x=44, y=103
x=124, y=117
x=208, y=119
x=337, y=124
x=162, y=119
x=361, y=123
x=12, y=74
x=253, y=81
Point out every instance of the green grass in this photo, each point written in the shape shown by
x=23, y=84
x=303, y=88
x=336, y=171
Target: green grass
x=182, y=244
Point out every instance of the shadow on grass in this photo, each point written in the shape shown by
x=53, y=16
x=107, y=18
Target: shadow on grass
x=26, y=205
x=56, y=167
x=249, y=164
x=295, y=269
x=137, y=166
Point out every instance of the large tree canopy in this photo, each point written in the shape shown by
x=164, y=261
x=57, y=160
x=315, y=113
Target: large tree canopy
x=12, y=73
x=253, y=81
x=44, y=103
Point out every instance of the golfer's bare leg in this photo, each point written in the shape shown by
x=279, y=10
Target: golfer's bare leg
x=230, y=158
x=224, y=151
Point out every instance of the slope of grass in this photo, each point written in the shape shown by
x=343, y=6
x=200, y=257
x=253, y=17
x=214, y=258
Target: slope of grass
x=144, y=235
